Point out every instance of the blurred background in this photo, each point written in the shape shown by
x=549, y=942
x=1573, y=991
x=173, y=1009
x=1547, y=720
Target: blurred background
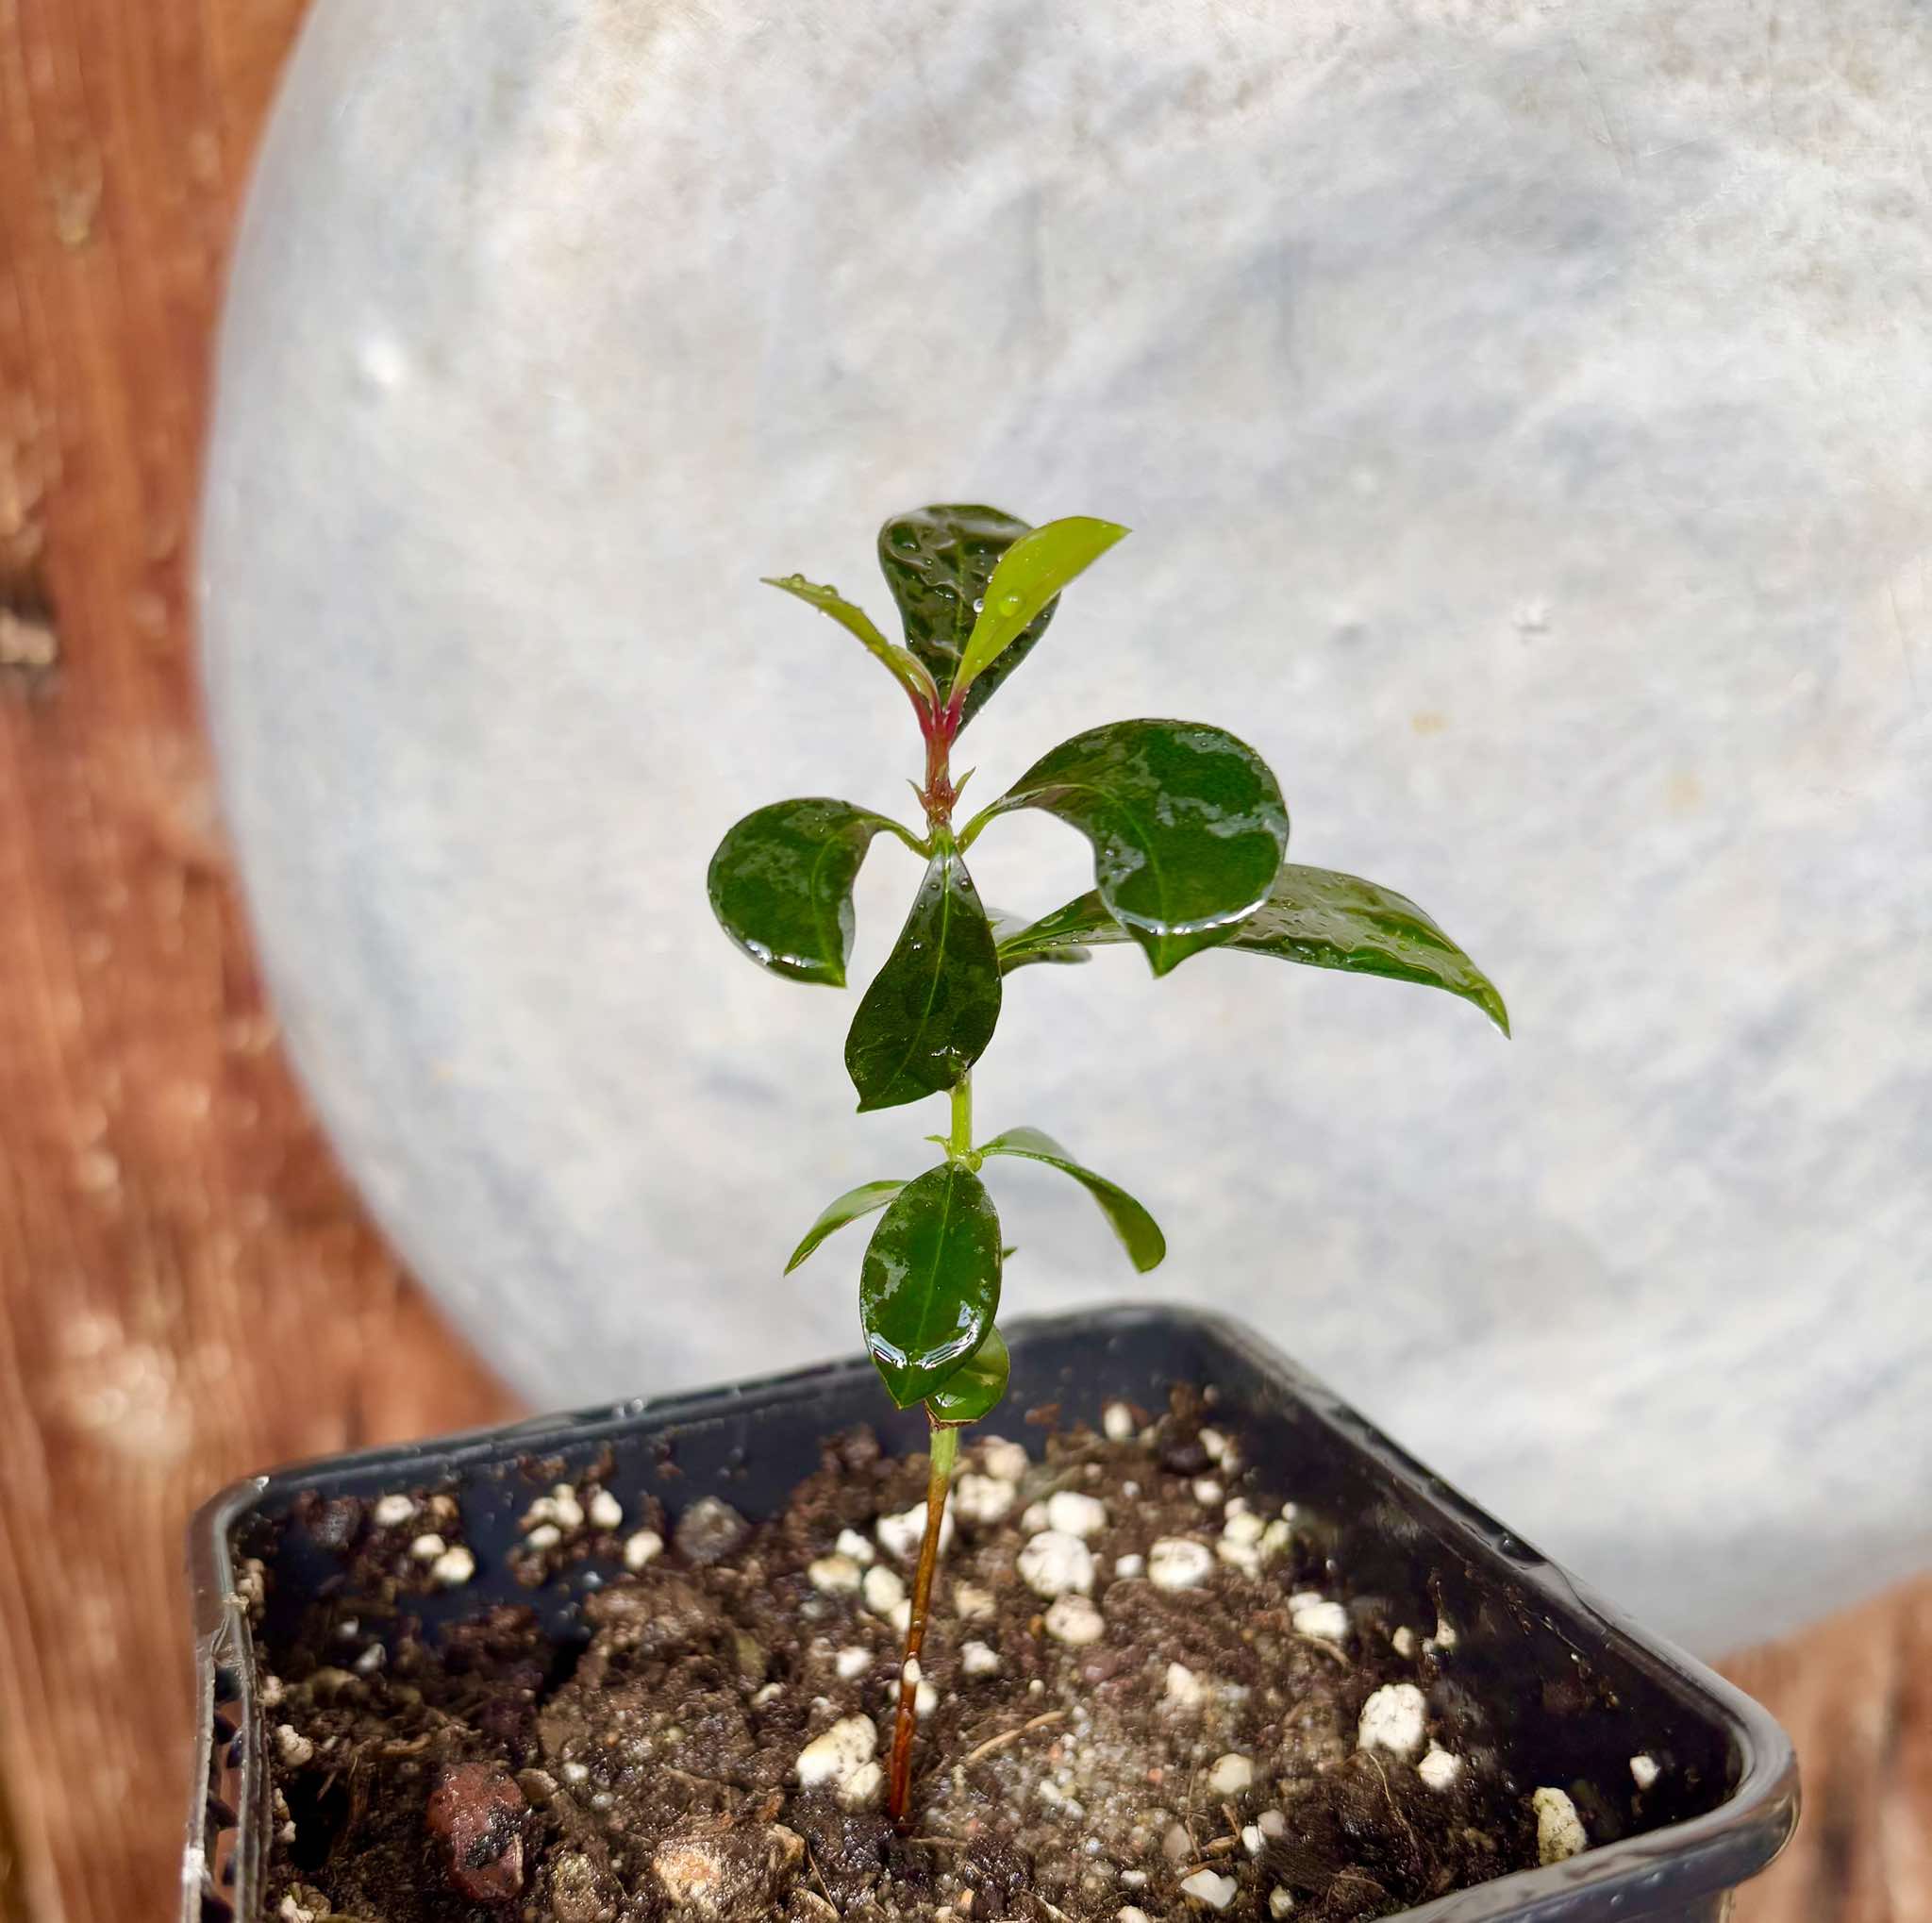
x=1524, y=418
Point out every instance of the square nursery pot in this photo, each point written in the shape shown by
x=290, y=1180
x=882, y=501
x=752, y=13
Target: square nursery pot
x=1572, y=1690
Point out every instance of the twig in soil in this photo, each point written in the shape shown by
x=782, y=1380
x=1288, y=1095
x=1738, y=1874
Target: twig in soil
x=1059, y=1915
x=1327, y=1650
x=1395, y=1810
x=1001, y=1741
x=818, y=1876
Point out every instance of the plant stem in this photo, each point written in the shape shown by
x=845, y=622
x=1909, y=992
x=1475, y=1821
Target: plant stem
x=960, y=1142
x=945, y=1447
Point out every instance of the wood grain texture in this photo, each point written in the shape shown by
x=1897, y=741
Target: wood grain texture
x=187, y=1290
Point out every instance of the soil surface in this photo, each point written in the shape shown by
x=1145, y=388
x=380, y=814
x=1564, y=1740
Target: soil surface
x=1147, y=1696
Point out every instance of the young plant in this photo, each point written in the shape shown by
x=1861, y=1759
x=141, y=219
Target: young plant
x=1189, y=838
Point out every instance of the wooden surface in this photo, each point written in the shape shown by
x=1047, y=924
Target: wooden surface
x=187, y=1291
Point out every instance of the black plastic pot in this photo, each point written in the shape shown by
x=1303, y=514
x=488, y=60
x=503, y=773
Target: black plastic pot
x=1571, y=1689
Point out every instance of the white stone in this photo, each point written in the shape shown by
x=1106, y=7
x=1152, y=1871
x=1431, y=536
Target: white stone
x=1117, y=1422
x=426, y=1548
x=1444, y=1637
x=1328, y=1621
x=769, y=1693
x=1252, y=1839
x=546, y=1535
x=980, y=1659
x=1560, y=1832
x=292, y=1747
x=1644, y=1770
x=884, y=1589
x=838, y=1755
x=1035, y=1519
x=1281, y=1901
x=852, y=1543
x=973, y=1604
x=1185, y=1690
x=1403, y=1641
x=454, y=1567
x=900, y=1615
x=1239, y=1555
x=391, y=1511
x=1230, y=1776
x=1074, y=1619
x=852, y=1662
x=1074, y=1515
x=1179, y=1563
x=1053, y=1563
x=1207, y=1491
x=642, y=1548
x=1130, y=1913
x=1272, y=1823
x=1244, y=1527
x=1209, y=1886
x=1128, y=1567
x=1393, y=1719
x=560, y=1508
x=982, y=1498
x=1438, y=1768
x=901, y=1535
x=835, y=1576
x=1005, y=1460
x=1214, y=1443
x=604, y=1511
x=861, y=1790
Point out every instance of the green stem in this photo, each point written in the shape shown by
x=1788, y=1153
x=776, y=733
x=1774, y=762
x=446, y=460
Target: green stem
x=945, y=1449
x=960, y=1140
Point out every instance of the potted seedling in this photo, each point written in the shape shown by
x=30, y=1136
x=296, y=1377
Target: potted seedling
x=1208, y=1645
x=1189, y=839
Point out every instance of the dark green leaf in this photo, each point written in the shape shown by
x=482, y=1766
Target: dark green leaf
x=902, y=663
x=930, y=1285
x=1032, y=572
x=1186, y=823
x=1313, y=916
x=939, y=563
x=1020, y=941
x=781, y=884
x=931, y=1010
x=1138, y=1232
x=975, y=1388
x=847, y=1208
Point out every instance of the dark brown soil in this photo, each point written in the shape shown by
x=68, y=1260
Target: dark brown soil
x=654, y=1774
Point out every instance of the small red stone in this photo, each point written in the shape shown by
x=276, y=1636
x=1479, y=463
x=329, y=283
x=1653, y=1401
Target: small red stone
x=477, y=1813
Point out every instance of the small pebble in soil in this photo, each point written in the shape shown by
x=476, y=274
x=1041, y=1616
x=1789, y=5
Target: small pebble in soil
x=476, y=1812
x=973, y=1604
x=1178, y=1562
x=1117, y=1422
x=1314, y=1615
x=546, y=1535
x=982, y=1500
x=642, y=1548
x=835, y=1576
x=1393, y=1719
x=1281, y=1901
x=839, y=1755
x=1403, y=1640
x=292, y=1747
x=1560, y=1832
x=392, y=1512
x=978, y=1659
x=1438, y=1768
x=1208, y=1492
x=709, y=1530
x=560, y=1508
x=1005, y=1460
x=1211, y=1887
x=1073, y=1514
x=604, y=1511
x=1053, y=1564
x=1075, y=1621
x=852, y=1662
x=852, y=1543
x=1129, y=1567
x=426, y=1548
x=1644, y=1771
x=1185, y=1690
x=1230, y=1776
x=454, y=1567
x=884, y=1590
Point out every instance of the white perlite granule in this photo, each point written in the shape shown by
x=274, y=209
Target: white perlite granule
x=1560, y=1832
x=1393, y=1719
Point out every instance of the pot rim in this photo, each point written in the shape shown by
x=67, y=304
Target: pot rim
x=1700, y=1857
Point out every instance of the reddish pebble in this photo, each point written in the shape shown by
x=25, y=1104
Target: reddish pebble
x=477, y=1813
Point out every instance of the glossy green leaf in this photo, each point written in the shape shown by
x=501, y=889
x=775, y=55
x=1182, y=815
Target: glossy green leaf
x=939, y=563
x=781, y=884
x=931, y=1010
x=1030, y=573
x=903, y=664
x=1138, y=1232
x=1188, y=826
x=1316, y=917
x=931, y=1284
x=1020, y=941
x=976, y=1387
x=846, y=1208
